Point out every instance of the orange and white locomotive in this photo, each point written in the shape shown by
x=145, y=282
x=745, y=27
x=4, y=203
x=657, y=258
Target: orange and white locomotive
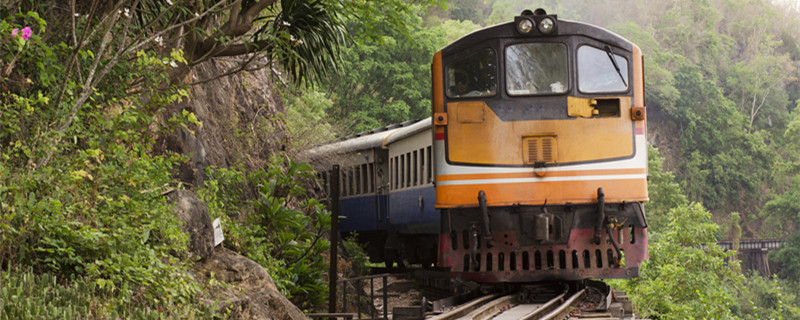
x=540, y=152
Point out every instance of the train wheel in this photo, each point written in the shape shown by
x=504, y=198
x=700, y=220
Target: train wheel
x=390, y=257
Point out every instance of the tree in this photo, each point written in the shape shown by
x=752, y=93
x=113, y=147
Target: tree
x=788, y=258
x=300, y=37
x=387, y=80
x=688, y=275
x=665, y=194
x=782, y=211
x=759, y=86
x=723, y=164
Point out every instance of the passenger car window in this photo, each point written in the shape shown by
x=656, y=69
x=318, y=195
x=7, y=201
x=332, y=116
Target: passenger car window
x=473, y=76
x=597, y=72
x=536, y=68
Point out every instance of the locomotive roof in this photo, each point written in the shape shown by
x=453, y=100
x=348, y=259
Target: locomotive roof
x=508, y=30
x=380, y=137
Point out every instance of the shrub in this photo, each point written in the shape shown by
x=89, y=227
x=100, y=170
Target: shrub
x=80, y=195
x=271, y=219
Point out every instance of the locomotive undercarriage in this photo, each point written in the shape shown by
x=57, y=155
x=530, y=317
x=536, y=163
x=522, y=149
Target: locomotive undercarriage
x=544, y=242
x=400, y=248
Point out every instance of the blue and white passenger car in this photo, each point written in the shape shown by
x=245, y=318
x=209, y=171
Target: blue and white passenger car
x=387, y=195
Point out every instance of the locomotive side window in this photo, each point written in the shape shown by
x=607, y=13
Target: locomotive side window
x=598, y=72
x=422, y=165
x=430, y=164
x=408, y=170
x=343, y=184
x=350, y=189
x=371, y=176
x=536, y=68
x=473, y=76
x=393, y=170
x=402, y=171
x=415, y=166
x=357, y=189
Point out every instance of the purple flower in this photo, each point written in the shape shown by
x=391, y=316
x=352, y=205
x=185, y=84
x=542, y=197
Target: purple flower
x=14, y=32
x=26, y=33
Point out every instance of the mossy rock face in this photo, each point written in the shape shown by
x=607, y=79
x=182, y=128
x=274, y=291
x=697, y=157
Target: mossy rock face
x=248, y=291
x=193, y=213
x=240, y=116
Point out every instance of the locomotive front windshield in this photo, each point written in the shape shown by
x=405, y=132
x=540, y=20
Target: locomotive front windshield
x=536, y=68
x=473, y=76
x=598, y=72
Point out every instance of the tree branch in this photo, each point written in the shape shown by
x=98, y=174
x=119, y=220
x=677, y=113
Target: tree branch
x=236, y=26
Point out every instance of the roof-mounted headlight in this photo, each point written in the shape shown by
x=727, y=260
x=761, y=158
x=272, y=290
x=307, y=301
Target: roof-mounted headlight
x=547, y=25
x=524, y=25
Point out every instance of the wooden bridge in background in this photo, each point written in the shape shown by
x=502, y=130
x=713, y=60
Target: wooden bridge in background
x=753, y=253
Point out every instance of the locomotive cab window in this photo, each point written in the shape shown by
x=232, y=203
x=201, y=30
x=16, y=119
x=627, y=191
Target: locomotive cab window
x=473, y=76
x=536, y=68
x=599, y=72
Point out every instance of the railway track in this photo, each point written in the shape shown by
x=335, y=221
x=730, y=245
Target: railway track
x=446, y=298
x=535, y=303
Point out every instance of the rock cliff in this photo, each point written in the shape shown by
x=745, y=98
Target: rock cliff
x=237, y=129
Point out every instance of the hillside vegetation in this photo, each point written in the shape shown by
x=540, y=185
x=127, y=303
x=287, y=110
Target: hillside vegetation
x=722, y=97
x=93, y=103
x=95, y=130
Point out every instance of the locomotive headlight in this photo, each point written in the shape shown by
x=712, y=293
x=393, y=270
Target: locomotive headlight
x=547, y=25
x=524, y=26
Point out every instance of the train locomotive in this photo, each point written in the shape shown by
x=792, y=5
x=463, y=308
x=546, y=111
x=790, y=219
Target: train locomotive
x=532, y=166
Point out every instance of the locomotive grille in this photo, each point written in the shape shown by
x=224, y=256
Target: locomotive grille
x=539, y=149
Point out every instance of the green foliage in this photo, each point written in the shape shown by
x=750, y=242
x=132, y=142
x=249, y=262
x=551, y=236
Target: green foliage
x=472, y=11
x=665, y=194
x=724, y=165
x=688, y=275
x=782, y=211
x=787, y=259
x=80, y=195
x=762, y=298
x=357, y=254
x=307, y=36
x=661, y=92
x=263, y=224
x=387, y=79
x=757, y=86
x=368, y=21
x=451, y=30
x=26, y=295
x=307, y=120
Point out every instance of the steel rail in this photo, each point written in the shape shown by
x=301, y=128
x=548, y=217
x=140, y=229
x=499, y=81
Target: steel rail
x=549, y=305
x=564, y=307
x=486, y=311
x=464, y=309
